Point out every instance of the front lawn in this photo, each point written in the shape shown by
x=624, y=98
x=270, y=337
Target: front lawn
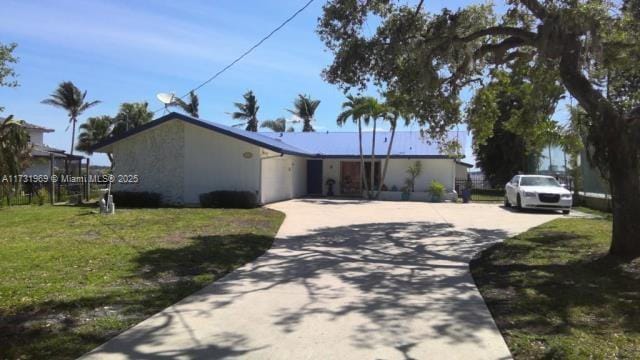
x=70, y=279
x=556, y=295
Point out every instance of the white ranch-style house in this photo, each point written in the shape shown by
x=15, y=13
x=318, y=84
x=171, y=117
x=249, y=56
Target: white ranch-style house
x=181, y=157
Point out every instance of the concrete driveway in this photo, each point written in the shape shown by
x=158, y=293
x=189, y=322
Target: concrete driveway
x=344, y=280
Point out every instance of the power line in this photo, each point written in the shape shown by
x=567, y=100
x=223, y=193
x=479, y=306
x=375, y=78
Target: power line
x=246, y=52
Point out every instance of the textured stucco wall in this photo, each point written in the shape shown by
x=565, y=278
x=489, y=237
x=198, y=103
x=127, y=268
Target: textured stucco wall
x=216, y=161
x=157, y=157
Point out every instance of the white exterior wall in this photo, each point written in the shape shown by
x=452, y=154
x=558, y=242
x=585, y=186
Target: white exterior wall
x=283, y=177
x=331, y=170
x=214, y=161
x=157, y=157
x=35, y=136
x=441, y=170
x=461, y=171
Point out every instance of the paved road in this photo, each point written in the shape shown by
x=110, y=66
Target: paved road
x=344, y=280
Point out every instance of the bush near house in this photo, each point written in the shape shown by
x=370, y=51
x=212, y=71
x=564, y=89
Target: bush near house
x=137, y=199
x=229, y=199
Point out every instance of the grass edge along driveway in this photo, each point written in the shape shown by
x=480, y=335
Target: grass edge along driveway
x=554, y=293
x=70, y=279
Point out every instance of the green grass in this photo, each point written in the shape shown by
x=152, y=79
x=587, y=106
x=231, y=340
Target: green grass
x=556, y=295
x=70, y=278
x=486, y=197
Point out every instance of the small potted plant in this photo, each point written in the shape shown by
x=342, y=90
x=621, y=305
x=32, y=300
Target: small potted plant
x=406, y=193
x=330, y=183
x=437, y=191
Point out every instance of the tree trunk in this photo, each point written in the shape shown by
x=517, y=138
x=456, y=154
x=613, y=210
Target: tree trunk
x=73, y=134
x=362, y=177
x=624, y=177
x=616, y=140
x=386, y=161
x=110, y=156
x=373, y=161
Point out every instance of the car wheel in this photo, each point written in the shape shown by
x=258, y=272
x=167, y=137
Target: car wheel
x=519, y=205
x=506, y=202
x=566, y=212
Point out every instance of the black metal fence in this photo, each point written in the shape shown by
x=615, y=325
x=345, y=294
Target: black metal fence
x=40, y=193
x=479, y=190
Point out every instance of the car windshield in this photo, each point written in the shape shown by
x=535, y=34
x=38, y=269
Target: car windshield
x=538, y=181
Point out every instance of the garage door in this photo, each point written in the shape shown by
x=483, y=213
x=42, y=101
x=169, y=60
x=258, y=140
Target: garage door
x=276, y=180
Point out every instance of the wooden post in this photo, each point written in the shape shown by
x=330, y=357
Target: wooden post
x=88, y=184
x=51, y=185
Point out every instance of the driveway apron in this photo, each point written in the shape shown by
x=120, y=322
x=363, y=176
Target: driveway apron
x=345, y=279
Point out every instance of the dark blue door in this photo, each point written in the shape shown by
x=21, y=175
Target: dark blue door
x=314, y=177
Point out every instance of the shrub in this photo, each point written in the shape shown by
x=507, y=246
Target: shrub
x=436, y=189
x=136, y=199
x=229, y=199
x=42, y=195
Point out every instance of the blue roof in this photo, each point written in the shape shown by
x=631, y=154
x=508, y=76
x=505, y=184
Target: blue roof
x=406, y=144
x=345, y=144
x=248, y=136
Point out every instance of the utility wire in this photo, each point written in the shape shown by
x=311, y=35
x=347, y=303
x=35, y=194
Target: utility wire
x=246, y=52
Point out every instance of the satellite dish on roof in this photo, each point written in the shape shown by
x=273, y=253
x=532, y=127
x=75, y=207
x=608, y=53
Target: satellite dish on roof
x=167, y=99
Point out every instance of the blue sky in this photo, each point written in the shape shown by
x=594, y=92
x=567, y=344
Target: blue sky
x=126, y=51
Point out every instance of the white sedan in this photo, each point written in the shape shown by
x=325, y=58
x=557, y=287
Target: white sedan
x=537, y=192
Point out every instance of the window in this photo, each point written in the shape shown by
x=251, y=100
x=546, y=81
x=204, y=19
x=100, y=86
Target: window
x=538, y=181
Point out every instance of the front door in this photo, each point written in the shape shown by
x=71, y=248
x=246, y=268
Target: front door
x=350, y=178
x=314, y=177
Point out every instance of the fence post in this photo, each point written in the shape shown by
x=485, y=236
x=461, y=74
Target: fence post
x=87, y=184
x=51, y=185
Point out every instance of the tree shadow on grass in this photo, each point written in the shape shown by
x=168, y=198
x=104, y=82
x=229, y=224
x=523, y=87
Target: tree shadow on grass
x=573, y=289
x=68, y=328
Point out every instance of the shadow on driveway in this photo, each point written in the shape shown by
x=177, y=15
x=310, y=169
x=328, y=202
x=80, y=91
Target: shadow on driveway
x=397, y=290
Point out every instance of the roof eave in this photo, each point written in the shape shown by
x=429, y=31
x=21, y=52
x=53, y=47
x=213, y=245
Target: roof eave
x=100, y=147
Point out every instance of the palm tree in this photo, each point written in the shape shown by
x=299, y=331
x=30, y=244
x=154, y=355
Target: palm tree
x=68, y=97
x=191, y=107
x=93, y=131
x=353, y=108
x=131, y=115
x=305, y=108
x=277, y=125
x=391, y=115
x=248, y=111
x=393, y=112
x=372, y=110
x=14, y=147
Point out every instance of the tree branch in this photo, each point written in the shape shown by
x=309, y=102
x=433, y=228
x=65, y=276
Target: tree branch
x=500, y=30
x=500, y=48
x=536, y=8
x=418, y=8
